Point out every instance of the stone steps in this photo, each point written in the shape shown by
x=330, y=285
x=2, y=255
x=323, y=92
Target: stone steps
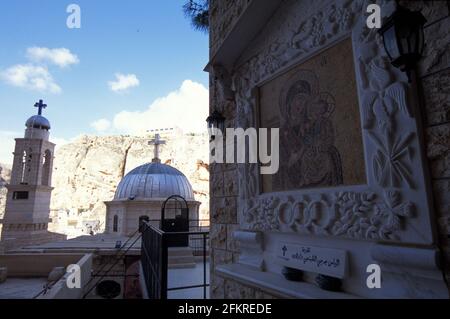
x=180, y=257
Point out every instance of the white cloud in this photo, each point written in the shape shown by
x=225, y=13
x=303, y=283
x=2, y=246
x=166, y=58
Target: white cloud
x=36, y=76
x=123, y=82
x=32, y=77
x=61, y=57
x=101, y=125
x=186, y=108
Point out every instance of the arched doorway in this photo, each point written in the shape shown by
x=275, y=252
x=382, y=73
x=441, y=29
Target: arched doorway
x=175, y=218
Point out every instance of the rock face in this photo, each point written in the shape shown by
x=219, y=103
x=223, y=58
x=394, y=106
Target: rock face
x=87, y=171
x=5, y=176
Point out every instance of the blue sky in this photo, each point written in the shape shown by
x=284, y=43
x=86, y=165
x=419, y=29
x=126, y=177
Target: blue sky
x=147, y=41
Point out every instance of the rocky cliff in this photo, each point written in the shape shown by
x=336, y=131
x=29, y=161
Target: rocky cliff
x=5, y=175
x=87, y=171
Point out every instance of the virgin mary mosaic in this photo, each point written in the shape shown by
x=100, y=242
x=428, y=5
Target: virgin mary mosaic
x=307, y=136
x=316, y=109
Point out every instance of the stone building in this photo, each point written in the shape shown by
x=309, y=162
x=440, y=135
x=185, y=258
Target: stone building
x=28, y=202
x=143, y=191
x=364, y=176
x=109, y=261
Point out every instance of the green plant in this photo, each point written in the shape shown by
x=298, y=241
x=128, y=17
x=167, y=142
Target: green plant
x=198, y=12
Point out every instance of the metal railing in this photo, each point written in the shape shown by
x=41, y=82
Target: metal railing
x=195, y=241
x=154, y=259
x=102, y=273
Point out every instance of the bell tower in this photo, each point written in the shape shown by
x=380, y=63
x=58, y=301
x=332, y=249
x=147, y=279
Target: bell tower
x=28, y=203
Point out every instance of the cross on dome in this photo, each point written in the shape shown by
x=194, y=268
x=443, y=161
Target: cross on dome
x=40, y=105
x=157, y=141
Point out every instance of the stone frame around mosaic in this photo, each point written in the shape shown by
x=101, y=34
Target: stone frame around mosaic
x=395, y=203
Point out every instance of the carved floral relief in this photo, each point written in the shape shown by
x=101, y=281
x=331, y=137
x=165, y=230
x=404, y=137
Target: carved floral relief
x=392, y=204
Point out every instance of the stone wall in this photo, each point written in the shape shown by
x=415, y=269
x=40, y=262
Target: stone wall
x=223, y=198
x=223, y=16
x=434, y=82
x=224, y=220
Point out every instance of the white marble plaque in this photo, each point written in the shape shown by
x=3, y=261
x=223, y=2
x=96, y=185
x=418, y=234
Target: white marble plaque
x=325, y=261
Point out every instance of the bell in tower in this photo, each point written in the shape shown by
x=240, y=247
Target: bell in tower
x=29, y=192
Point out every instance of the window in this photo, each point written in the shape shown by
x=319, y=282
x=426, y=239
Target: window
x=27, y=157
x=115, y=223
x=46, y=161
x=20, y=195
x=24, y=167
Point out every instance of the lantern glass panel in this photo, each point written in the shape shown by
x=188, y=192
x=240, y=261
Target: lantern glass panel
x=412, y=42
x=404, y=36
x=390, y=43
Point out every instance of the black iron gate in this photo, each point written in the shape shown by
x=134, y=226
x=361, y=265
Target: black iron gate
x=154, y=261
x=175, y=219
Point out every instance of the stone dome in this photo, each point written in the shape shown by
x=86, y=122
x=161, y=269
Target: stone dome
x=154, y=180
x=38, y=121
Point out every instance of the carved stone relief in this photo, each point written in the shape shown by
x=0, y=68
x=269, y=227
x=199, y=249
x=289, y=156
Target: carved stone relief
x=393, y=205
x=350, y=214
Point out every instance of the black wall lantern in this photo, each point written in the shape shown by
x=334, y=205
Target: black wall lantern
x=403, y=38
x=215, y=121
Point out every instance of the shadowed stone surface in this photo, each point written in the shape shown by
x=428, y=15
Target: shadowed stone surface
x=436, y=88
x=439, y=150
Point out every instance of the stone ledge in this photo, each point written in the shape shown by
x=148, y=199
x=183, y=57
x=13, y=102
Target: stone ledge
x=270, y=284
x=247, y=26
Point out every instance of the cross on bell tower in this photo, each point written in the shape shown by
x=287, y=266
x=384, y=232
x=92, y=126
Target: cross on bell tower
x=40, y=105
x=156, y=142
